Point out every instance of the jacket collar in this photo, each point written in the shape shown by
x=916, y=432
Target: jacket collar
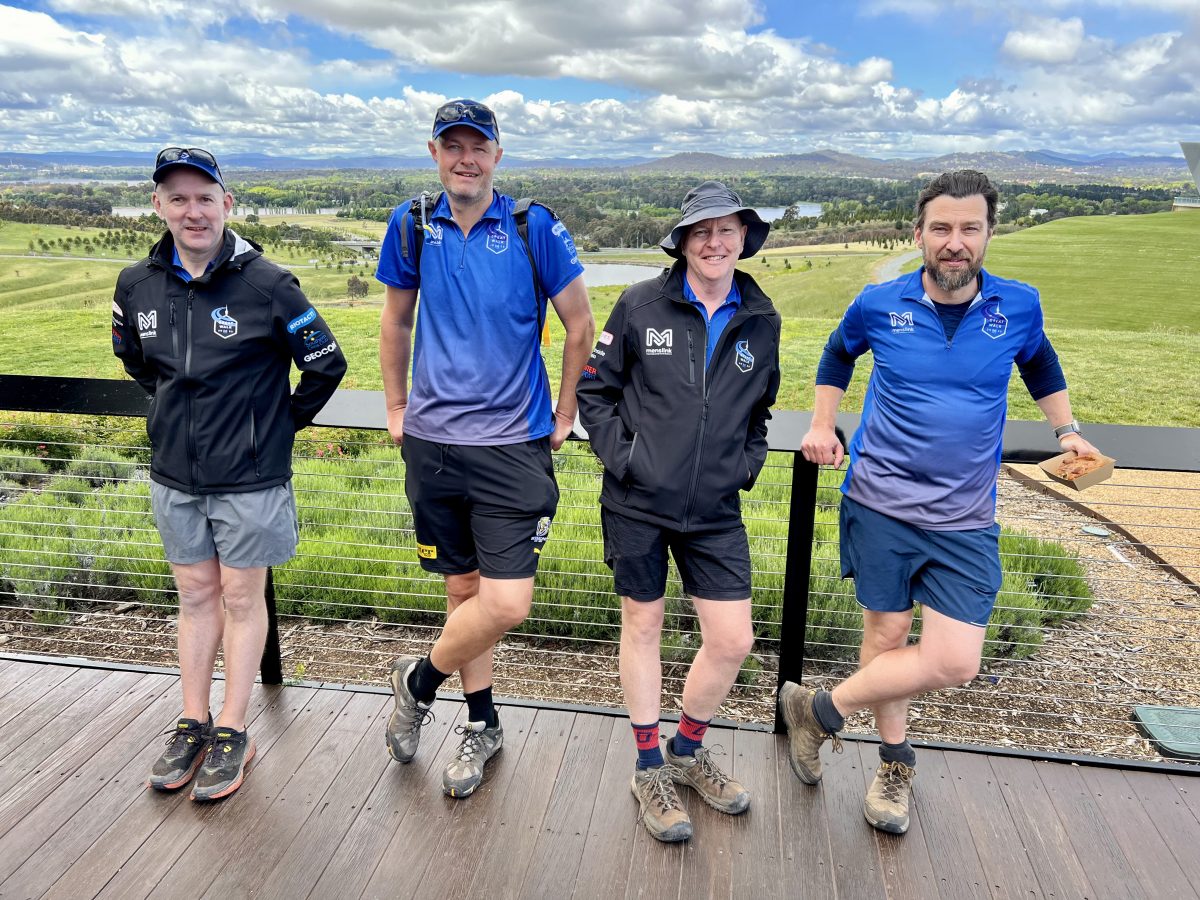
x=914, y=289
x=236, y=251
x=670, y=285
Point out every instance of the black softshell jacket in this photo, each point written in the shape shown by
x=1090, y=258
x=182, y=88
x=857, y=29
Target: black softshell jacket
x=678, y=441
x=215, y=354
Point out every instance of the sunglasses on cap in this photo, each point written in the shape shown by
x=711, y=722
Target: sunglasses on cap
x=175, y=154
x=457, y=111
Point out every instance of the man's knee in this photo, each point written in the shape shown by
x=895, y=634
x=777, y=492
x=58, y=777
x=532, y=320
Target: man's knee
x=731, y=644
x=460, y=589
x=641, y=623
x=507, y=603
x=951, y=669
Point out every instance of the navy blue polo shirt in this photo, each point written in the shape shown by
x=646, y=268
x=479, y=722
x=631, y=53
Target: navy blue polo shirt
x=720, y=318
x=477, y=372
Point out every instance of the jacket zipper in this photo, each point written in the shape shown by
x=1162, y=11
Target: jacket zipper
x=187, y=374
x=695, y=479
x=254, y=444
x=174, y=333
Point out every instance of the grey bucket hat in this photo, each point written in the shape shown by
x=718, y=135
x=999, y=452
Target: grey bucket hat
x=711, y=200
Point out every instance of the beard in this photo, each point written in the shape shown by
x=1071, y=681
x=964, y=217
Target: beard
x=951, y=280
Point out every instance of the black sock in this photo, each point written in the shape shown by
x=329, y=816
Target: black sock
x=425, y=680
x=902, y=752
x=480, y=707
x=827, y=715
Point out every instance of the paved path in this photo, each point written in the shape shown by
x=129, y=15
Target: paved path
x=889, y=267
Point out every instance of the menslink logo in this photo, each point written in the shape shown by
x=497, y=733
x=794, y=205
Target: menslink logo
x=658, y=343
x=902, y=323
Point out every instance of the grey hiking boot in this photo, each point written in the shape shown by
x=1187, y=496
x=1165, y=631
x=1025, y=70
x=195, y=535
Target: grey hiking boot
x=715, y=788
x=805, y=734
x=661, y=812
x=404, y=726
x=464, y=773
x=886, y=806
x=185, y=752
x=224, y=769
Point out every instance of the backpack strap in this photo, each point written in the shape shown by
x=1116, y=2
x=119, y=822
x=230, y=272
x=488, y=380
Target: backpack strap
x=419, y=208
x=521, y=217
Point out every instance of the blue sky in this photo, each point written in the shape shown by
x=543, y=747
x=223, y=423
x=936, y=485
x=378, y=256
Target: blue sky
x=573, y=78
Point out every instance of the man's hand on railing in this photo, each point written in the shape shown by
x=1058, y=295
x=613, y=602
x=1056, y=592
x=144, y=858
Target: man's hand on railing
x=822, y=446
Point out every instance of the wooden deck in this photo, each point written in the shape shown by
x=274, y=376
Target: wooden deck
x=326, y=814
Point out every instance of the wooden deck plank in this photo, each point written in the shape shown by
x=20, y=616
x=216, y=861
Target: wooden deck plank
x=804, y=832
x=376, y=838
x=555, y=861
x=244, y=865
x=13, y=674
x=857, y=868
x=655, y=868
x=1147, y=853
x=608, y=847
x=947, y=832
x=305, y=858
x=1095, y=847
x=755, y=852
x=1176, y=824
x=997, y=840
x=470, y=821
x=46, y=759
x=39, y=699
x=903, y=858
x=504, y=863
x=226, y=827
x=23, y=872
x=1042, y=834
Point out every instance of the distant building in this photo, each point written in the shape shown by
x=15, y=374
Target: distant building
x=1191, y=153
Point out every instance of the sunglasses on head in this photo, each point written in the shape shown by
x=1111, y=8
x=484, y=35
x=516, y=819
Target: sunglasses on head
x=175, y=154
x=477, y=113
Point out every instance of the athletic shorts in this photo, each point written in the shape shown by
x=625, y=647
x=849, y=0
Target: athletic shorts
x=895, y=565
x=485, y=508
x=243, y=530
x=713, y=565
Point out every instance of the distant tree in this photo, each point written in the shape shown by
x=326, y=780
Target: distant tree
x=356, y=288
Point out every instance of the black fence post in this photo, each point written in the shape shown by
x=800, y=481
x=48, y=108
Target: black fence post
x=801, y=523
x=272, y=662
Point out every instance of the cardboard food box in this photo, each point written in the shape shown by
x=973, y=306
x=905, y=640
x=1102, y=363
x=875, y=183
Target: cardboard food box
x=1053, y=465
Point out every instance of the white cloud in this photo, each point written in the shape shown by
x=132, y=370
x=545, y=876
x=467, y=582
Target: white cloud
x=1045, y=41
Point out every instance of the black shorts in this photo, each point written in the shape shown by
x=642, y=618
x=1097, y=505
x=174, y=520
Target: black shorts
x=485, y=508
x=713, y=565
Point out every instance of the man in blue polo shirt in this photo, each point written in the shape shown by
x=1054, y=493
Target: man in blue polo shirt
x=477, y=425
x=919, y=498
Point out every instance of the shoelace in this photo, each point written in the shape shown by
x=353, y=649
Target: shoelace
x=175, y=734
x=708, y=768
x=472, y=742
x=662, y=788
x=421, y=718
x=896, y=777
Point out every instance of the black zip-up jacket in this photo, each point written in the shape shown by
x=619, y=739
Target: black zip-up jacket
x=678, y=441
x=215, y=354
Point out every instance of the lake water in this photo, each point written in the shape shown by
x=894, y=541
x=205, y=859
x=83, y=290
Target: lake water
x=771, y=213
x=605, y=274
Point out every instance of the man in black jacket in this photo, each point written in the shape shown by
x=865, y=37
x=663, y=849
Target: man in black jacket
x=210, y=328
x=676, y=399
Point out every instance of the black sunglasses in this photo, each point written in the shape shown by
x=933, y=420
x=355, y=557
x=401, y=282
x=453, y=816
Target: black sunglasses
x=476, y=112
x=175, y=154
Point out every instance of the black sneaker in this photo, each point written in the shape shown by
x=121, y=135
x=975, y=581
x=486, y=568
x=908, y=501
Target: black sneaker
x=224, y=769
x=185, y=751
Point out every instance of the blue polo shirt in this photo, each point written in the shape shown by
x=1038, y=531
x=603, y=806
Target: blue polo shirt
x=477, y=372
x=178, y=269
x=928, y=448
x=716, y=324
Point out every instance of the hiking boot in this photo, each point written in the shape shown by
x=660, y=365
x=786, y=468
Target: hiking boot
x=661, y=812
x=805, y=734
x=464, y=773
x=886, y=806
x=715, y=788
x=404, y=726
x=224, y=769
x=185, y=751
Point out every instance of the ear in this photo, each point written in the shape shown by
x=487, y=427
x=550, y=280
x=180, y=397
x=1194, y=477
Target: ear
x=228, y=204
x=156, y=203
x=917, y=236
x=433, y=149
x=499, y=152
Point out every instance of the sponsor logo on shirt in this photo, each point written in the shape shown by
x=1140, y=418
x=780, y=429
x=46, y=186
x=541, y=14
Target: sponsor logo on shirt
x=329, y=348
x=589, y=372
x=117, y=339
x=995, y=325
x=224, y=325
x=543, y=530
x=497, y=238
x=301, y=320
x=314, y=338
x=148, y=324
x=658, y=343
x=744, y=359
x=561, y=230
x=118, y=313
x=427, y=551
x=433, y=235
x=902, y=323
x=606, y=338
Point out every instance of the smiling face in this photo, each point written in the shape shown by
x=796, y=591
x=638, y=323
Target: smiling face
x=712, y=247
x=465, y=161
x=953, y=238
x=195, y=208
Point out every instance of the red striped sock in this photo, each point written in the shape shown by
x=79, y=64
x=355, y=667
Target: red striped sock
x=689, y=737
x=649, y=752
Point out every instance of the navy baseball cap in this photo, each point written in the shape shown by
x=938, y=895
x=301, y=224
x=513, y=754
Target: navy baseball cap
x=466, y=112
x=173, y=157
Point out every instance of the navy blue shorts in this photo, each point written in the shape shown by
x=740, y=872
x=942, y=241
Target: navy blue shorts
x=713, y=565
x=488, y=508
x=895, y=565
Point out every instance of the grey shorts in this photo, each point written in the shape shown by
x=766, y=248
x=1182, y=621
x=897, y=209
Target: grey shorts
x=243, y=530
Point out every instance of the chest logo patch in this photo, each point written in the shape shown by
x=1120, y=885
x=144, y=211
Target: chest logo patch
x=148, y=324
x=744, y=359
x=658, y=343
x=497, y=239
x=433, y=235
x=224, y=325
x=902, y=323
x=995, y=324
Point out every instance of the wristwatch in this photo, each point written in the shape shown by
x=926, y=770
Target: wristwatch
x=1071, y=427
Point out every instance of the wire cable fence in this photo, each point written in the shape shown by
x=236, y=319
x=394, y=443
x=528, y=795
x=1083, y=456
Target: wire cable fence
x=1098, y=612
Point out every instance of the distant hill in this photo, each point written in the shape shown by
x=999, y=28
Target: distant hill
x=1030, y=166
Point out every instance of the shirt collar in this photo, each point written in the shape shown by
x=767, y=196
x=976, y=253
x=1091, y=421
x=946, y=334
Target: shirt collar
x=734, y=296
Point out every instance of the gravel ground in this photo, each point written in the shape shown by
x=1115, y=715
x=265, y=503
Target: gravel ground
x=1075, y=694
